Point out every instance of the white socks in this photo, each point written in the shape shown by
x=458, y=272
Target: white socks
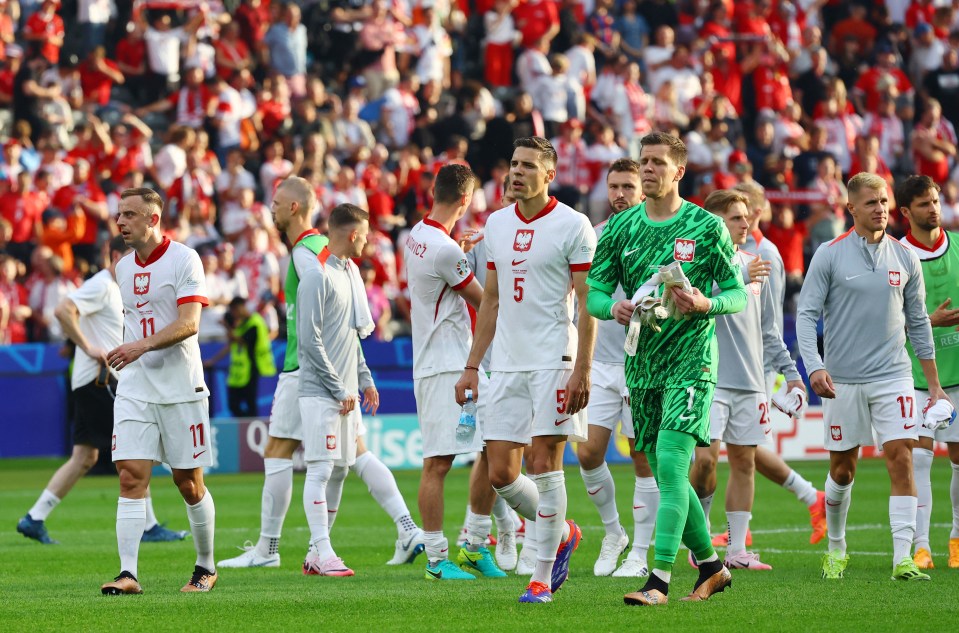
x=275, y=502
x=902, y=520
x=314, y=504
x=837, y=508
x=477, y=529
x=707, y=503
x=602, y=492
x=44, y=506
x=645, y=506
x=804, y=490
x=521, y=495
x=921, y=468
x=503, y=516
x=738, y=525
x=334, y=492
x=131, y=515
x=550, y=520
x=151, y=518
x=437, y=547
x=202, y=517
x=665, y=576
x=954, y=495
x=382, y=485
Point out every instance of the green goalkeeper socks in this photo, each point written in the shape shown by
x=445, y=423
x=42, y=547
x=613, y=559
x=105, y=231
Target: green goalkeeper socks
x=680, y=516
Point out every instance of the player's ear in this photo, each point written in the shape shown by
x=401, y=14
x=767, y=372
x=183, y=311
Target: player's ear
x=680, y=172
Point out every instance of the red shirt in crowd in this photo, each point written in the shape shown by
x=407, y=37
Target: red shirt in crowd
x=790, y=244
x=868, y=81
x=63, y=200
x=22, y=212
x=95, y=84
x=131, y=51
x=535, y=19
x=253, y=21
x=40, y=24
x=772, y=88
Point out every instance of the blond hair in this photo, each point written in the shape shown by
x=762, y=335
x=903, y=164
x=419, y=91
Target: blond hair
x=865, y=180
x=754, y=192
x=718, y=202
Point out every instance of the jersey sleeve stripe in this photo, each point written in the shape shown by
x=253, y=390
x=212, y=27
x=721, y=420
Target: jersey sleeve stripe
x=464, y=283
x=193, y=299
x=579, y=267
x=490, y=265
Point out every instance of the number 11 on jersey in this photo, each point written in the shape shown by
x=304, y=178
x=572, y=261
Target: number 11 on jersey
x=149, y=329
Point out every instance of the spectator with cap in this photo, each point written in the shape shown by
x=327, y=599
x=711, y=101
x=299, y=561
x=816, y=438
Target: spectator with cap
x=927, y=53
x=285, y=45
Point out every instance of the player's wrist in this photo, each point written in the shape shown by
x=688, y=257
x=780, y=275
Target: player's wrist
x=471, y=368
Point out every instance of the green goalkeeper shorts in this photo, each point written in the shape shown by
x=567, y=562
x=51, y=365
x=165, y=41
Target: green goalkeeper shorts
x=683, y=409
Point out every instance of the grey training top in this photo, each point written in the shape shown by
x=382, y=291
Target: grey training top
x=331, y=359
x=767, y=251
x=749, y=341
x=868, y=303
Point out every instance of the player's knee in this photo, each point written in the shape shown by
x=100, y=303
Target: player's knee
x=190, y=489
x=436, y=467
x=89, y=459
x=500, y=477
x=588, y=458
x=842, y=474
x=132, y=485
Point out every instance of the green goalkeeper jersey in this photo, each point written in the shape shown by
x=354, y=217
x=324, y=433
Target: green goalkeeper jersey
x=630, y=250
x=940, y=272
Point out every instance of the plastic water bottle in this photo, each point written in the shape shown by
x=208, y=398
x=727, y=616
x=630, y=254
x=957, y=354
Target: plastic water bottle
x=466, y=428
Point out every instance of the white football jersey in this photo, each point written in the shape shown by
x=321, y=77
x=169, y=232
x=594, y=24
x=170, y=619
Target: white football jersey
x=101, y=321
x=610, y=335
x=533, y=260
x=436, y=268
x=151, y=293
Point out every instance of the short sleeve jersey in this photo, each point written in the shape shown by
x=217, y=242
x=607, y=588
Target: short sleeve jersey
x=101, y=321
x=940, y=272
x=152, y=292
x=534, y=259
x=631, y=250
x=436, y=267
x=304, y=255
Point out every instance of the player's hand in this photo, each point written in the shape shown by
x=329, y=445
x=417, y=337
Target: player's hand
x=577, y=391
x=759, y=269
x=694, y=302
x=470, y=238
x=623, y=311
x=126, y=354
x=795, y=384
x=468, y=380
x=938, y=394
x=821, y=383
x=943, y=316
x=371, y=400
x=346, y=406
x=98, y=354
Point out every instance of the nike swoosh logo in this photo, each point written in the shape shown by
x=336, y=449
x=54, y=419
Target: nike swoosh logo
x=435, y=574
x=318, y=503
x=406, y=546
x=543, y=516
x=195, y=455
x=855, y=277
x=908, y=426
x=558, y=422
x=833, y=505
x=638, y=507
x=593, y=492
x=628, y=253
x=445, y=549
x=687, y=417
x=140, y=305
x=517, y=263
x=516, y=507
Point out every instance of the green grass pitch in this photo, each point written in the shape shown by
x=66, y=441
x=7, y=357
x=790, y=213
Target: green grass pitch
x=57, y=587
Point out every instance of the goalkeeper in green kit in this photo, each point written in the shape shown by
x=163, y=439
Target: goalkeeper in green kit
x=667, y=252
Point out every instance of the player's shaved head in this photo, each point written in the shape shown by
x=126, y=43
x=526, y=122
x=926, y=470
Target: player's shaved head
x=151, y=200
x=300, y=191
x=718, y=202
x=452, y=183
x=676, y=148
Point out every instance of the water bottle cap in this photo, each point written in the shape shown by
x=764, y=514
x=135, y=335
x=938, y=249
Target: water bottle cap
x=469, y=394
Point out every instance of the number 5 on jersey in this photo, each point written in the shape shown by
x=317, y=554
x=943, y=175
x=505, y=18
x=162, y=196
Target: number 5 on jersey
x=518, y=289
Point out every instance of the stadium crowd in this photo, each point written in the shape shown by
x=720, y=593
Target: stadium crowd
x=214, y=102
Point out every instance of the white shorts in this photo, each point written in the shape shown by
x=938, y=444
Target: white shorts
x=527, y=404
x=949, y=434
x=177, y=434
x=609, y=399
x=888, y=407
x=327, y=435
x=439, y=414
x=285, y=421
x=739, y=417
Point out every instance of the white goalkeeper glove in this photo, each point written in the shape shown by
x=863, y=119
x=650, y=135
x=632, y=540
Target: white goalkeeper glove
x=939, y=415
